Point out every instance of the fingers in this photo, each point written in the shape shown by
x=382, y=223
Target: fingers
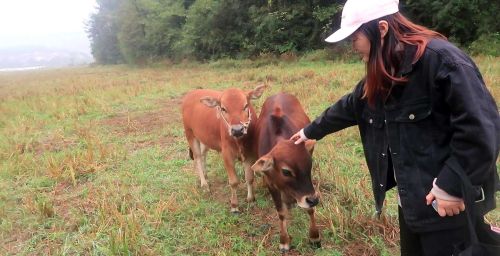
x=462, y=207
x=450, y=208
x=441, y=211
x=299, y=137
x=452, y=211
x=449, y=212
x=299, y=140
x=429, y=198
x=295, y=137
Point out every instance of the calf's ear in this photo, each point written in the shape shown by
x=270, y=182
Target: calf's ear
x=310, y=145
x=257, y=92
x=264, y=164
x=210, y=102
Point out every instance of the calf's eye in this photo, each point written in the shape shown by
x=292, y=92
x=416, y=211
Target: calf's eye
x=286, y=172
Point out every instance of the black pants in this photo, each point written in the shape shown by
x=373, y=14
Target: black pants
x=442, y=243
x=438, y=243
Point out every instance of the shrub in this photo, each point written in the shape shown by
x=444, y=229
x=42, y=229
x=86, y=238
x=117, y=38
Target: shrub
x=486, y=45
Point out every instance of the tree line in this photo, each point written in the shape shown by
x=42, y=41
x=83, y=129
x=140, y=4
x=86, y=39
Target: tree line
x=143, y=31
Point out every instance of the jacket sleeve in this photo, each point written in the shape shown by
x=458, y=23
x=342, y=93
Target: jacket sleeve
x=475, y=125
x=340, y=115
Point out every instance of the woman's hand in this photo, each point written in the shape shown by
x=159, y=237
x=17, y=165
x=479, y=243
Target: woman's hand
x=299, y=137
x=445, y=207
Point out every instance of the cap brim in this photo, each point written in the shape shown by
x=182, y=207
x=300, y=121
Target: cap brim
x=341, y=34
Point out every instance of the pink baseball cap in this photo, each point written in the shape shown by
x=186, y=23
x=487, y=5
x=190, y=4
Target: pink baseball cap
x=358, y=12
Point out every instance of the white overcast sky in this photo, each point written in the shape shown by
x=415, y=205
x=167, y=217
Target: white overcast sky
x=46, y=23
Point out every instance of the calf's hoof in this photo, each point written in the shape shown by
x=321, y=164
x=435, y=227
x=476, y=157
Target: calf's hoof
x=315, y=243
x=205, y=188
x=284, y=248
x=235, y=211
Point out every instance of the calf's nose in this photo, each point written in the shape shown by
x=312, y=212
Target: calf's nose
x=237, y=130
x=312, y=200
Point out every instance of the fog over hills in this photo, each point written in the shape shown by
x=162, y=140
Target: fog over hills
x=55, y=50
x=43, y=57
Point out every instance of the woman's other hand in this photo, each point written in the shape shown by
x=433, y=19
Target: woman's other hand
x=447, y=205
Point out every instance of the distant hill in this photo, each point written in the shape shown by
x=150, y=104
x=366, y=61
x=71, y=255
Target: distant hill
x=22, y=57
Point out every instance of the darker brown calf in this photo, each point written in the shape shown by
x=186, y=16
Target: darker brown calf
x=286, y=166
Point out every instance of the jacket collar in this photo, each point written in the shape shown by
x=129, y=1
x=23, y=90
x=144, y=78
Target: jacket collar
x=407, y=61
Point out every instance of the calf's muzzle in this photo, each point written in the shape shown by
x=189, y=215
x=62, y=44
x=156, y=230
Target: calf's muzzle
x=237, y=130
x=312, y=201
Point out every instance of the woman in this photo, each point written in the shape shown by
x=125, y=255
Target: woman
x=422, y=110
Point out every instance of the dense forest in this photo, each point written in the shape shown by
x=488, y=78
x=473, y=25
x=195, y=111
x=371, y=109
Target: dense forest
x=144, y=31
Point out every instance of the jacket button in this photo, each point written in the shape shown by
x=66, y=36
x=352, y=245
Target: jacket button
x=411, y=116
x=383, y=154
x=370, y=121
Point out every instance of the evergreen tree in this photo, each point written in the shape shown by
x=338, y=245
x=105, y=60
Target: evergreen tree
x=462, y=20
x=102, y=30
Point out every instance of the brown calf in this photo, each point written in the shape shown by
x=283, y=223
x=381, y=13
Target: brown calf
x=222, y=121
x=286, y=166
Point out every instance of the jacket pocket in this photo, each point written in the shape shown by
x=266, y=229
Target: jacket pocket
x=414, y=112
x=415, y=128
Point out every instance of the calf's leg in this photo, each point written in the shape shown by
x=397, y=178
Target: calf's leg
x=199, y=161
x=204, y=150
x=249, y=178
x=285, y=238
x=313, y=230
x=282, y=210
x=233, y=179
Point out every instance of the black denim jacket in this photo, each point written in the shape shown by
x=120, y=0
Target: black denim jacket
x=444, y=114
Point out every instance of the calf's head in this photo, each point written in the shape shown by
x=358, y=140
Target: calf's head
x=288, y=168
x=234, y=107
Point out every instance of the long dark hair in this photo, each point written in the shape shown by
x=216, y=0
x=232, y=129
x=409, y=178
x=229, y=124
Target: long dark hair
x=384, y=61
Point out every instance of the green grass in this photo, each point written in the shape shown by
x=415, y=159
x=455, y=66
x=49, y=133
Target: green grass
x=93, y=161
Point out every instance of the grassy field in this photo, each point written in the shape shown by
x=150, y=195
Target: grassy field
x=93, y=161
